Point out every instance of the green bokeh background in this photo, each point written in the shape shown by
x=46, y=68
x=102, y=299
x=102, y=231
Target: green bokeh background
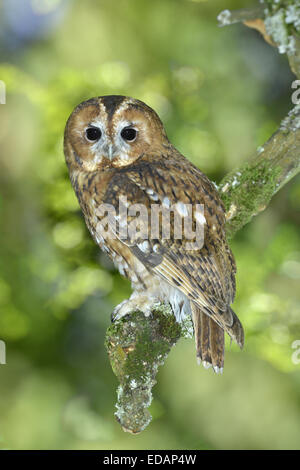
x=221, y=92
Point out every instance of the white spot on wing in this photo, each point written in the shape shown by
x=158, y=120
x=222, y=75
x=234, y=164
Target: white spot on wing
x=154, y=196
x=166, y=202
x=200, y=218
x=144, y=246
x=182, y=209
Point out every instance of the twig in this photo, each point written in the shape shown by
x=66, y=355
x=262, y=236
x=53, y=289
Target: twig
x=228, y=17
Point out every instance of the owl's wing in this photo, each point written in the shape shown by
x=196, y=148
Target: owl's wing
x=205, y=275
x=180, y=273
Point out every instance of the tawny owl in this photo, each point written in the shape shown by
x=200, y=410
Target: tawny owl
x=116, y=150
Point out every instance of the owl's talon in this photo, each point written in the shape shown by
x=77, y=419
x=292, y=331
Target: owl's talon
x=116, y=312
x=116, y=317
x=142, y=303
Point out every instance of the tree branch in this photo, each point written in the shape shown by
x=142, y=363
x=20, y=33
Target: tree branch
x=249, y=189
x=137, y=345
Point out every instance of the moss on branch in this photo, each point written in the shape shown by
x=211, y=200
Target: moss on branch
x=137, y=346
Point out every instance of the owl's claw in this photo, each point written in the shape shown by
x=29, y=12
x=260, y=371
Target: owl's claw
x=113, y=317
x=142, y=303
x=116, y=315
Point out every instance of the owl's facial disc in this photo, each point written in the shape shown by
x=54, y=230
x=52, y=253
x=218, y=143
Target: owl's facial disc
x=111, y=131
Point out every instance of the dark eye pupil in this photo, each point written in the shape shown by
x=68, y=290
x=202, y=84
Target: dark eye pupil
x=93, y=133
x=128, y=133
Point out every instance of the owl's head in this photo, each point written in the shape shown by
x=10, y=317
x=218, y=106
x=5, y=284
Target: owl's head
x=111, y=131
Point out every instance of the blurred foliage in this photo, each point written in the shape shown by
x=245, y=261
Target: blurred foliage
x=220, y=93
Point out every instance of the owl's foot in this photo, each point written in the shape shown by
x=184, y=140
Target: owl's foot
x=137, y=302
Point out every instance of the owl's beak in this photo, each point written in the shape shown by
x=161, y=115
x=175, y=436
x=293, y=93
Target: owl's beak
x=111, y=151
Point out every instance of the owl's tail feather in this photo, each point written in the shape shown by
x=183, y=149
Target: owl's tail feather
x=236, y=331
x=230, y=324
x=209, y=339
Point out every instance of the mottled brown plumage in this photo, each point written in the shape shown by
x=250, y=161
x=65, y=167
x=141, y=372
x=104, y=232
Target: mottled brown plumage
x=106, y=163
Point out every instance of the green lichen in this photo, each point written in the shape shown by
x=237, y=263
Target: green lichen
x=247, y=192
x=137, y=346
x=187, y=327
x=169, y=328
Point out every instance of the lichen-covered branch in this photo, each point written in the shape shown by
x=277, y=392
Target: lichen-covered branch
x=137, y=345
x=228, y=17
x=249, y=189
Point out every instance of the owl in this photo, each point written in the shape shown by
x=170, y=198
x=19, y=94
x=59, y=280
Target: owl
x=124, y=169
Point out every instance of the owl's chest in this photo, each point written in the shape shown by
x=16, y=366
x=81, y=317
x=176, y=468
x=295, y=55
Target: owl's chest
x=102, y=228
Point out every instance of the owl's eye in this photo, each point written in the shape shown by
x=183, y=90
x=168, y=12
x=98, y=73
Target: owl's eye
x=93, y=134
x=128, y=133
